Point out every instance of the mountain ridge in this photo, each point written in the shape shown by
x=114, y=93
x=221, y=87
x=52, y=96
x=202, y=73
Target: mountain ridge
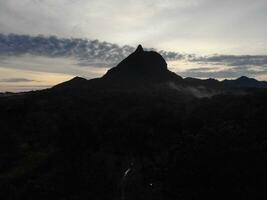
x=148, y=68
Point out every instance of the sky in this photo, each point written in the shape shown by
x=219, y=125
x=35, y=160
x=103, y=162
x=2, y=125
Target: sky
x=45, y=42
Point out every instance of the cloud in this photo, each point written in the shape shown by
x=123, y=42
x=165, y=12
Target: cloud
x=222, y=72
x=233, y=60
x=16, y=80
x=87, y=52
x=228, y=66
x=97, y=53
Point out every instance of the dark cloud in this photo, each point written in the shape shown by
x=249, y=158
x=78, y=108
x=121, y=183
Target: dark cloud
x=216, y=72
x=103, y=54
x=232, y=60
x=87, y=52
x=16, y=80
x=96, y=53
x=233, y=66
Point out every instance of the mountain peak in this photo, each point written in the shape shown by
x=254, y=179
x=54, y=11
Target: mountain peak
x=75, y=82
x=245, y=82
x=141, y=67
x=139, y=48
x=243, y=78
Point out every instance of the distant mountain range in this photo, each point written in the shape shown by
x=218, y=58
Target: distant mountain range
x=245, y=82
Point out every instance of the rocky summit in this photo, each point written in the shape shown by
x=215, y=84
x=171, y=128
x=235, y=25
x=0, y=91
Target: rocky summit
x=142, y=67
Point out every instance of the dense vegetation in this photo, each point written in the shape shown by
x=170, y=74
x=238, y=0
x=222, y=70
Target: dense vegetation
x=77, y=144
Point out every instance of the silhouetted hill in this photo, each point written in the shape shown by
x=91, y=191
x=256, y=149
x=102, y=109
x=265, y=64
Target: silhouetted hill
x=245, y=82
x=210, y=83
x=75, y=83
x=141, y=67
x=144, y=69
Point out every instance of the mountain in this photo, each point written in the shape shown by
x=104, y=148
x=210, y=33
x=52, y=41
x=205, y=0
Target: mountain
x=245, y=82
x=144, y=70
x=141, y=67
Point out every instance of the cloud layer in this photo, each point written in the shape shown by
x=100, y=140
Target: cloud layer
x=233, y=60
x=16, y=80
x=87, y=52
x=229, y=66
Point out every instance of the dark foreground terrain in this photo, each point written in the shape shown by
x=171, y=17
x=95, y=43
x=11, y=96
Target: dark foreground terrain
x=139, y=132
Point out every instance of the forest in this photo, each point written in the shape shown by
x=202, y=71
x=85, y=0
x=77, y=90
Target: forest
x=78, y=144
